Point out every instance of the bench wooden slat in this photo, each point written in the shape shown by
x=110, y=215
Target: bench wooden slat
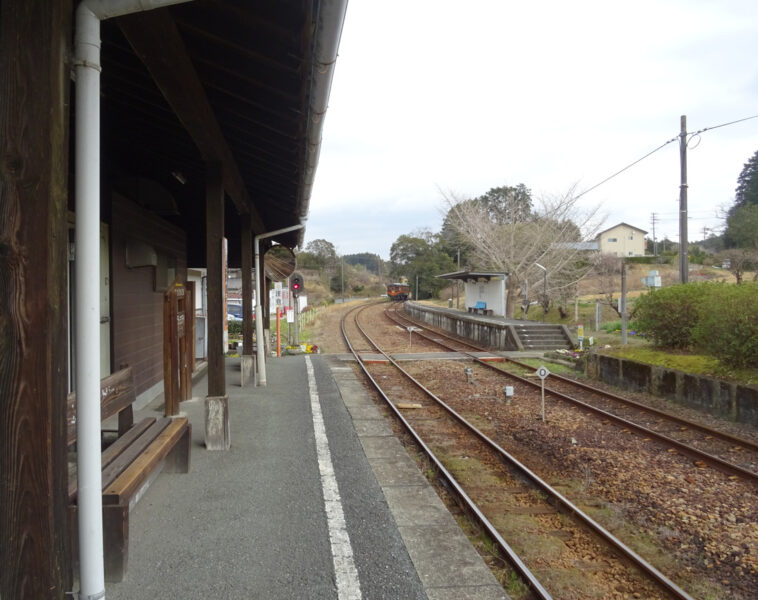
x=125, y=458
x=116, y=448
x=116, y=394
x=113, y=451
x=128, y=482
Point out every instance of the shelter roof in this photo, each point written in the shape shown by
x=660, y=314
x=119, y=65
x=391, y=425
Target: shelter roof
x=468, y=275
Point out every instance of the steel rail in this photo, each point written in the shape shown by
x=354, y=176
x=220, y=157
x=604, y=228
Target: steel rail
x=533, y=583
x=629, y=402
x=659, y=578
x=649, y=409
x=694, y=453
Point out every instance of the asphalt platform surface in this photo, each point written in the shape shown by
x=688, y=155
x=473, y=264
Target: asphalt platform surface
x=252, y=522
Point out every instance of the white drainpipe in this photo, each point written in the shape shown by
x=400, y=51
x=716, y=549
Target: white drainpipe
x=260, y=343
x=89, y=496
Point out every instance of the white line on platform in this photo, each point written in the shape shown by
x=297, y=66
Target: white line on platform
x=346, y=575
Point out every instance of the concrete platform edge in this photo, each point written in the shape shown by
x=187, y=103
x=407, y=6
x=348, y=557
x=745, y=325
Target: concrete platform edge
x=447, y=563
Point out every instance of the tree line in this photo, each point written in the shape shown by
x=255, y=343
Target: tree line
x=538, y=242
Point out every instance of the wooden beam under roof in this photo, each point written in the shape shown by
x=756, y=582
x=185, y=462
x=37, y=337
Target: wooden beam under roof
x=157, y=42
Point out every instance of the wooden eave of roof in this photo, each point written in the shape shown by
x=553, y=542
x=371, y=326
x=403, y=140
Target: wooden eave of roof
x=213, y=82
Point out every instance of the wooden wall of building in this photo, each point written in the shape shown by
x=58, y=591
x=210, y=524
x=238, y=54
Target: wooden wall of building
x=137, y=333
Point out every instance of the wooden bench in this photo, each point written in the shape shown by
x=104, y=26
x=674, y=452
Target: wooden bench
x=129, y=464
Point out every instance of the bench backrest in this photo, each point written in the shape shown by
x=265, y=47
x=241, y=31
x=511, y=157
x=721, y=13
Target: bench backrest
x=480, y=305
x=116, y=394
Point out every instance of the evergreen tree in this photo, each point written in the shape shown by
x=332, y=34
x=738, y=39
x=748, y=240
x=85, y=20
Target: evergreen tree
x=741, y=216
x=746, y=193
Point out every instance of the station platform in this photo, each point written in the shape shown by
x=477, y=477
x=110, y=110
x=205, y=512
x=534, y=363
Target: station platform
x=316, y=499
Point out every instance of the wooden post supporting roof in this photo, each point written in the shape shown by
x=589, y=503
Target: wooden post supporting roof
x=34, y=83
x=216, y=403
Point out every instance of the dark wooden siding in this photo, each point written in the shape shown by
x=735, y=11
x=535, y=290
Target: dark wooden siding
x=137, y=332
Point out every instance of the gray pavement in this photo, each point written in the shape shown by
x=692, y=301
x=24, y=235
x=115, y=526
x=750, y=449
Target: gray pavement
x=252, y=522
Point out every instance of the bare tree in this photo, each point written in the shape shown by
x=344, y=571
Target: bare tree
x=740, y=261
x=519, y=239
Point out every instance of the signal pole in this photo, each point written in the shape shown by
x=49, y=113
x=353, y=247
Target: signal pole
x=683, y=259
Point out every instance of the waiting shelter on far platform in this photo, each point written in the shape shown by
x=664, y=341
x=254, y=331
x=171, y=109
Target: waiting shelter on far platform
x=485, y=291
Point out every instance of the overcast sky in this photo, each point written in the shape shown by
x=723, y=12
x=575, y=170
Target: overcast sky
x=463, y=96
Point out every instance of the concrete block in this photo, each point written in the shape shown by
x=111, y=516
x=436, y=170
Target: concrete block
x=663, y=382
x=480, y=592
x=217, y=435
x=391, y=471
x=609, y=368
x=746, y=398
x=723, y=399
x=247, y=369
x=444, y=557
x=372, y=427
x=637, y=376
x=697, y=392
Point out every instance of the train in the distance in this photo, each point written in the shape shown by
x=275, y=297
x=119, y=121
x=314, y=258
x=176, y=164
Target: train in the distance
x=398, y=292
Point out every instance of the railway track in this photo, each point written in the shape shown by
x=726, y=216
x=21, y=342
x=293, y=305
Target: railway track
x=566, y=548
x=703, y=445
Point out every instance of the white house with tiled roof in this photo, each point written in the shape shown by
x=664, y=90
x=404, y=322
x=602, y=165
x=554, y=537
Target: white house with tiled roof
x=622, y=240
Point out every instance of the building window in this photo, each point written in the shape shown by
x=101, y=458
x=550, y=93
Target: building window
x=612, y=239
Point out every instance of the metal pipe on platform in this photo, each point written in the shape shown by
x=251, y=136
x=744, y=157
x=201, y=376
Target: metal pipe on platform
x=87, y=65
x=260, y=343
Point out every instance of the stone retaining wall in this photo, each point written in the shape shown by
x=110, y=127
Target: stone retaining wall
x=714, y=396
x=488, y=333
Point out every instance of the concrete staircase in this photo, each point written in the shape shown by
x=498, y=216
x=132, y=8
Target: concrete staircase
x=542, y=336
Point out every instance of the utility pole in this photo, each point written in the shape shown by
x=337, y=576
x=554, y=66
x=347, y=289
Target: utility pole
x=653, y=219
x=683, y=259
x=623, y=303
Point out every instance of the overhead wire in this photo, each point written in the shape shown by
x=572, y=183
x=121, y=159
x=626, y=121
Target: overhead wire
x=666, y=143
x=629, y=166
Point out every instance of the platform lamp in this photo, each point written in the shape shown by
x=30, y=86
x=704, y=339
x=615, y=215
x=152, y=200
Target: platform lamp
x=544, y=289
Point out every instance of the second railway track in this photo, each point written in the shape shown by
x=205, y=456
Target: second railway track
x=704, y=445
x=564, y=553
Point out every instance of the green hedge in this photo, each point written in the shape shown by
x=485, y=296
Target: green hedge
x=727, y=327
x=648, y=260
x=234, y=327
x=669, y=315
x=718, y=319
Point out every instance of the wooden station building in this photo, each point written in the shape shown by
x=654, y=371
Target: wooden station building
x=208, y=125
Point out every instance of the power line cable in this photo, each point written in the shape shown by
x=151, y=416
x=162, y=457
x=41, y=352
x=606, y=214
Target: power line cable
x=691, y=135
x=723, y=125
x=629, y=166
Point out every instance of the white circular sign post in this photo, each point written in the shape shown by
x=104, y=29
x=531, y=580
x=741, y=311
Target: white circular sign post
x=411, y=329
x=542, y=373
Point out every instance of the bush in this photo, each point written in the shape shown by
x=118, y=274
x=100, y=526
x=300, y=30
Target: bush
x=234, y=328
x=727, y=327
x=669, y=315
